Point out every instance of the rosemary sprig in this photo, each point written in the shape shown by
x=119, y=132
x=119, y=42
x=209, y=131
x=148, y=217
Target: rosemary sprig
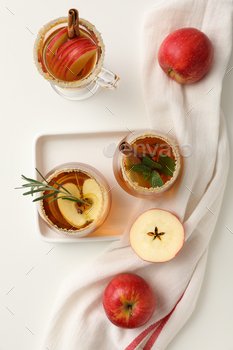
x=38, y=186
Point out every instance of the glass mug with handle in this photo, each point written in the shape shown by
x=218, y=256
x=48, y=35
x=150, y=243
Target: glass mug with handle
x=74, y=68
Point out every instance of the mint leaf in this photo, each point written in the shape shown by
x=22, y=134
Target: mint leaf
x=168, y=164
x=155, y=179
x=151, y=164
x=141, y=169
x=146, y=176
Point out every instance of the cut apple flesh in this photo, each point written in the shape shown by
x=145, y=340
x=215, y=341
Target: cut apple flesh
x=65, y=63
x=56, y=42
x=91, y=186
x=66, y=49
x=66, y=58
x=69, y=208
x=159, y=247
x=64, y=66
x=93, y=211
x=63, y=48
x=92, y=192
x=73, y=214
x=78, y=62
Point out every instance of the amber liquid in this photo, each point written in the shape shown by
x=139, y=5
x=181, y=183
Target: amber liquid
x=87, y=69
x=51, y=209
x=153, y=146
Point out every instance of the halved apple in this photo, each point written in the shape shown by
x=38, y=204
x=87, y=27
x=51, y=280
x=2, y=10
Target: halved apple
x=157, y=235
x=92, y=211
x=56, y=42
x=69, y=209
x=92, y=192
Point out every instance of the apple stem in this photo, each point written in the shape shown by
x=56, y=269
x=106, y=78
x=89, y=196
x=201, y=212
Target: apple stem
x=130, y=311
x=169, y=71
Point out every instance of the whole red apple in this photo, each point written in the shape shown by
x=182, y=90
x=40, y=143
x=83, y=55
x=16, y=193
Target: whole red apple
x=186, y=55
x=129, y=301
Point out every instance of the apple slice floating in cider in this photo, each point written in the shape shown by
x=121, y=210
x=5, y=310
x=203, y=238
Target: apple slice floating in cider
x=157, y=235
x=80, y=216
x=78, y=62
x=63, y=51
x=66, y=58
x=69, y=208
x=92, y=192
x=79, y=50
x=57, y=41
x=93, y=211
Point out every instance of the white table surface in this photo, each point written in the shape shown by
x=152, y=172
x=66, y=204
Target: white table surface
x=31, y=272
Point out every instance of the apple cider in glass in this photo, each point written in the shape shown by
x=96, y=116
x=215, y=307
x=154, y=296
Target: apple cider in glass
x=147, y=164
x=70, y=60
x=69, y=53
x=70, y=217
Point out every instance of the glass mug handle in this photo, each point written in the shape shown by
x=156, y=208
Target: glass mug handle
x=107, y=79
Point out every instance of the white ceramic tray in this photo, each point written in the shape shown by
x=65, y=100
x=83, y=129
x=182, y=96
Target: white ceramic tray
x=93, y=148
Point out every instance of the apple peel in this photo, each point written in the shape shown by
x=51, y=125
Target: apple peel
x=54, y=45
x=129, y=301
x=78, y=62
x=63, y=51
x=68, y=208
x=186, y=55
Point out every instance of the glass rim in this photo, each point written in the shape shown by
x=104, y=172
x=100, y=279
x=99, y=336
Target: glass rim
x=76, y=83
x=93, y=173
x=175, y=151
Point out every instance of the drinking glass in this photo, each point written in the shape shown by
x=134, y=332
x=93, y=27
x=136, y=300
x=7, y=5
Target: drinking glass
x=88, y=86
x=133, y=182
x=71, y=173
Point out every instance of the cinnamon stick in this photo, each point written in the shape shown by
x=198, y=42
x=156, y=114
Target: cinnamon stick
x=130, y=152
x=73, y=24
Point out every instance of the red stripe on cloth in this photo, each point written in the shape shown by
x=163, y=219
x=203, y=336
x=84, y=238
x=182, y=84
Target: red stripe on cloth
x=157, y=327
x=142, y=336
x=156, y=333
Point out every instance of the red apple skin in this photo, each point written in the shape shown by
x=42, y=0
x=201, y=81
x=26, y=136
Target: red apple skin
x=186, y=55
x=57, y=41
x=125, y=291
x=92, y=49
x=61, y=49
x=76, y=53
x=67, y=51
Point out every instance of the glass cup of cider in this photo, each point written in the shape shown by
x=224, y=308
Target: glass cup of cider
x=147, y=164
x=67, y=216
x=73, y=67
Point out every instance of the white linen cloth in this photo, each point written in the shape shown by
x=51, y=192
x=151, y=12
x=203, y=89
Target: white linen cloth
x=192, y=114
